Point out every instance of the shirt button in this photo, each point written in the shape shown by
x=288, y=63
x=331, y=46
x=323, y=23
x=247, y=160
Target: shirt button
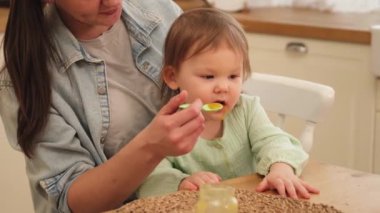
x=101, y=90
x=219, y=146
x=145, y=66
x=102, y=140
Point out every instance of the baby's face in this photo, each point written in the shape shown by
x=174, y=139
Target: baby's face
x=214, y=75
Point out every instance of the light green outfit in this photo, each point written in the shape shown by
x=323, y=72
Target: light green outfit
x=250, y=143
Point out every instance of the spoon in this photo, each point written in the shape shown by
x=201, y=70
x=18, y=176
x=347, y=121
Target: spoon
x=210, y=107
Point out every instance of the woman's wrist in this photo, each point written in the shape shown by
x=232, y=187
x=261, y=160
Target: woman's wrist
x=148, y=151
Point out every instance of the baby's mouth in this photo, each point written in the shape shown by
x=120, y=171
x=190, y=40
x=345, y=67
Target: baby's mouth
x=221, y=102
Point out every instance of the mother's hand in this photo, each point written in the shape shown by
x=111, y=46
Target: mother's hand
x=173, y=132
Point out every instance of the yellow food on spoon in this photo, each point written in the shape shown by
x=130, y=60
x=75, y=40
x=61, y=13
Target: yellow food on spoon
x=210, y=107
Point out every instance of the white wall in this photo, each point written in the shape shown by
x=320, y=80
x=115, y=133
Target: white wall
x=14, y=188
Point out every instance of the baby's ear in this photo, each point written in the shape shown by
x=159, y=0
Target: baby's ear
x=169, y=77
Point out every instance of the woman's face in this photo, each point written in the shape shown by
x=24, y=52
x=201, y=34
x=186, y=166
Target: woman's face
x=88, y=19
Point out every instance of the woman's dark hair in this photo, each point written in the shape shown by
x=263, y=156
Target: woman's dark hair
x=27, y=51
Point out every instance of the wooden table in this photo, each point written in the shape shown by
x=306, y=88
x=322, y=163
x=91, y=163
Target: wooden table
x=345, y=189
x=348, y=190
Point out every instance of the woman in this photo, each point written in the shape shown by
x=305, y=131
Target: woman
x=79, y=95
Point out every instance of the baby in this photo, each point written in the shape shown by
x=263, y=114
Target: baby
x=206, y=54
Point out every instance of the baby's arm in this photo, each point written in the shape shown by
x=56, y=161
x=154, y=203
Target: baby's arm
x=163, y=180
x=277, y=152
x=282, y=178
x=194, y=181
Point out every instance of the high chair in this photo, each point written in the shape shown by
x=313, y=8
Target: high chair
x=287, y=96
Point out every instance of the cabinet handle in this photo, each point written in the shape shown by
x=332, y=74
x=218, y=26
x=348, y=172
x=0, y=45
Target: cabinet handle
x=296, y=47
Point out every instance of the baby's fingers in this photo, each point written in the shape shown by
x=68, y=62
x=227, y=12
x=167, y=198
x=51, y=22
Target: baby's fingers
x=303, y=193
x=263, y=186
x=310, y=188
x=187, y=185
x=304, y=189
x=290, y=189
x=280, y=187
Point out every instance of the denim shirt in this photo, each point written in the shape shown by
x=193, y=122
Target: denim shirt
x=72, y=141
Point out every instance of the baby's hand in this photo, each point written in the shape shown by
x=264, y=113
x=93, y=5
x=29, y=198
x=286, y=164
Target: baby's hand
x=282, y=178
x=194, y=181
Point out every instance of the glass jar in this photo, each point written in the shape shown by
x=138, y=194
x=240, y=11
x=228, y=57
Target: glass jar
x=216, y=198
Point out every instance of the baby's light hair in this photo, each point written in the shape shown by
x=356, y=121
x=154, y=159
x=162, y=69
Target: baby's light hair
x=203, y=29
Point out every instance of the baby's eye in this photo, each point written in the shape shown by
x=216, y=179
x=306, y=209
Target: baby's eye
x=208, y=76
x=234, y=76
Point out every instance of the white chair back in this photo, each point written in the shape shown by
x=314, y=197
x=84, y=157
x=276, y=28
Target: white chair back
x=287, y=96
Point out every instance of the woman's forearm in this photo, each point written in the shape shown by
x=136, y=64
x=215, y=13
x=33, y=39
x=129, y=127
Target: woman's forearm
x=106, y=186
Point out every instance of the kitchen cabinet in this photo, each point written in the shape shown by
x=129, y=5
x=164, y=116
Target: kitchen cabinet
x=376, y=157
x=347, y=136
